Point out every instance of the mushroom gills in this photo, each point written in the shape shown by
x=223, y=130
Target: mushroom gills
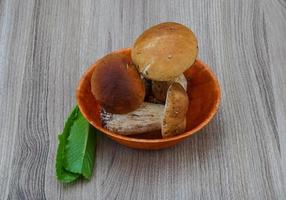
x=146, y=118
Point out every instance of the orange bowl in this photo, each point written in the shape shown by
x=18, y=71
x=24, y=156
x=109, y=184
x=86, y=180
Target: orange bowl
x=204, y=98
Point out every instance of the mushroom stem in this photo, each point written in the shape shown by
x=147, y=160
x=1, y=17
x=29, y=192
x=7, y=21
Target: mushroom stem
x=147, y=118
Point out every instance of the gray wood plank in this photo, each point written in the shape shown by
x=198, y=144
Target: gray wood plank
x=15, y=33
x=45, y=46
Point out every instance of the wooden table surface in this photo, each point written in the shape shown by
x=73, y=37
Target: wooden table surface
x=45, y=46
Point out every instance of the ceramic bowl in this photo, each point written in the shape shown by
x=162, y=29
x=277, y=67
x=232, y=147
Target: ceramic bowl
x=204, y=98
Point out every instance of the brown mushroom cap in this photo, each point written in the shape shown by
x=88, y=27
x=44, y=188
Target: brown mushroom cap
x=176, y=107
x=160, y=88
x=116, y=84
x=165, y=51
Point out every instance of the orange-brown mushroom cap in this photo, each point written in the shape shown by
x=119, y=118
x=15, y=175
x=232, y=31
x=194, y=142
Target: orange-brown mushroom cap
x=165, y=51
x=116, y=84
x=176, y=107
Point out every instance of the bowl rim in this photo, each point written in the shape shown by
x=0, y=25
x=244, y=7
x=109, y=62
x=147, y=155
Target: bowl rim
x=161, y=140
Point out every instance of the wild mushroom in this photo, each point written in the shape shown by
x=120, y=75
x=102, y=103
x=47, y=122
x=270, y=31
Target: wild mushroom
x=163, y=52
x=171, y=118
x=176, y=107
x=117, y=85
x=160, y=88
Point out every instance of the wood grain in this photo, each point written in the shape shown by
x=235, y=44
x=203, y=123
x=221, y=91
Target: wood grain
x=45, y=46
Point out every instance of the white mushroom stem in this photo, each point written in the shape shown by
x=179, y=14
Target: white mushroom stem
x=182, y=81
x=146, y=118
x=149, y=117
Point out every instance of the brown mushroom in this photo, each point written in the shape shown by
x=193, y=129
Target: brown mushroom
x=177, y=103
x=160, y=88
x=165, y=51
x=171, y=118
x=117, y=85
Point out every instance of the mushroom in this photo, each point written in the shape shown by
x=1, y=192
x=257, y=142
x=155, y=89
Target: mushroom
x=164, y=51
x=117, y=85
x=160, y=88
x=176, y=107
x=171, y=118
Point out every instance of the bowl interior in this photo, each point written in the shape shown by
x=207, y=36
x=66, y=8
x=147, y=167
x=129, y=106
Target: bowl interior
x=204, y=96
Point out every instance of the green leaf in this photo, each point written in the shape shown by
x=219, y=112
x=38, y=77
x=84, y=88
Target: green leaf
x=89, y=158
x=80, y=148
x=62, y=174
x=76, y=149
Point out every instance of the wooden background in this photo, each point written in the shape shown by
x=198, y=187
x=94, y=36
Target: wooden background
x=45, y=46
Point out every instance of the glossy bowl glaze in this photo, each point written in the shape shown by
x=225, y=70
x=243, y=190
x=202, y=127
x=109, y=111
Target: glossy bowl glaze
x=204, y=98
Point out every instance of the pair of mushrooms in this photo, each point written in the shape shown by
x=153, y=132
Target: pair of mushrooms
x=160, y=54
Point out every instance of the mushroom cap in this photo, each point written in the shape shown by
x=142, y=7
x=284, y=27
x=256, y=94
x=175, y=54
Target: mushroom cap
x=165, y=51
x=176, y=107
x=117, y=85
x=160, y=88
